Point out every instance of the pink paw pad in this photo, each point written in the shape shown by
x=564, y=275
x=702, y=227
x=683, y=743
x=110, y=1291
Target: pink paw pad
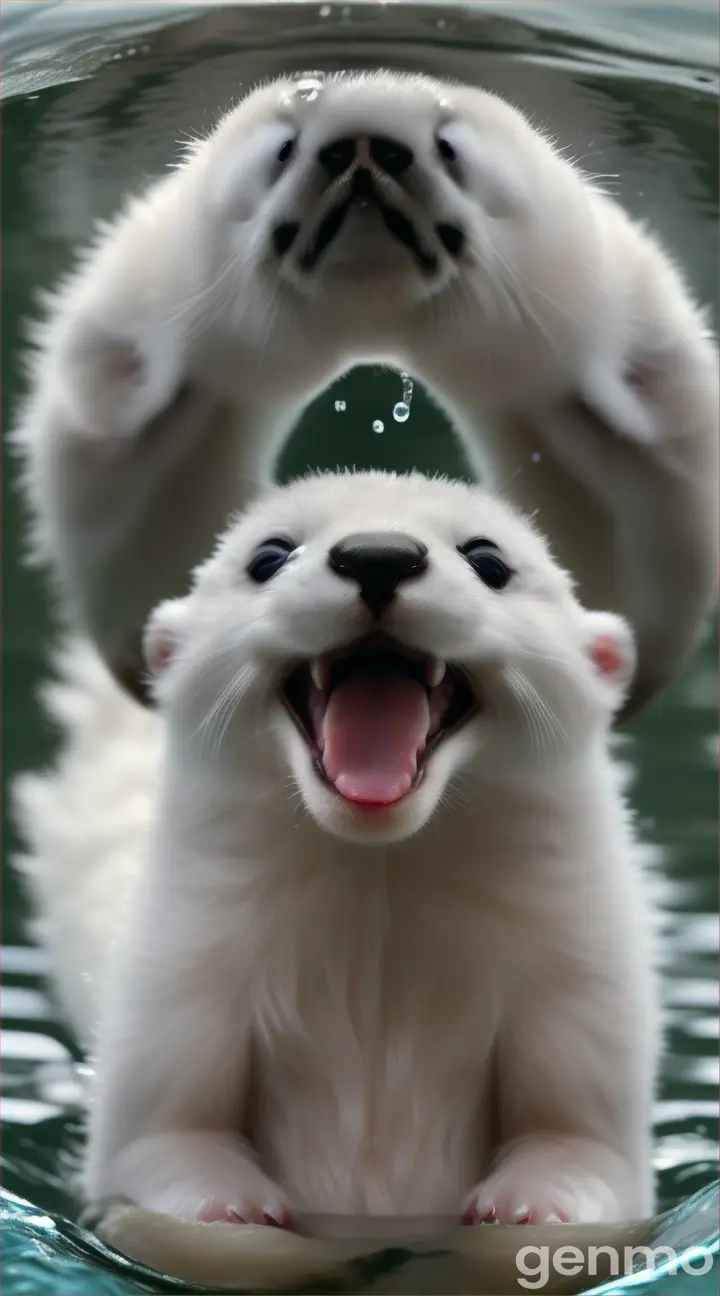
x=481, y=1213
x=214, y=1212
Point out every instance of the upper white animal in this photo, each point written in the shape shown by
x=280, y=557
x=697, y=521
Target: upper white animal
x=386, y=948
x=376, y=217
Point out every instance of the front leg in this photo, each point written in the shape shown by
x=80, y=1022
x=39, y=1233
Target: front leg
x=605, y=503
x=599, y=414
x=574, y=1076
x=160, y=385
x=168, y=1124
x=210, y=1176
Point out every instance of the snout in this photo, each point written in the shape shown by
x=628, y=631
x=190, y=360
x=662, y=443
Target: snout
x=387, y=155
x=379, y=563
x=391, y=183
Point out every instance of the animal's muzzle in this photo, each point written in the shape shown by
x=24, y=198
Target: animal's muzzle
x=388, y=155
x=360, y=165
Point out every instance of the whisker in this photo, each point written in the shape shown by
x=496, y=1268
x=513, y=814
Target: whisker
x=568, y=667
x=214, y=725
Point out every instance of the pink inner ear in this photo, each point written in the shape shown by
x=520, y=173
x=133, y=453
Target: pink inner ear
x=607, y=655
x=160, y=653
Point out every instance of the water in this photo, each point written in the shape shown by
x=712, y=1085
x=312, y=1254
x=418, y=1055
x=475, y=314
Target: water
x=98, y=96
x=401, y=411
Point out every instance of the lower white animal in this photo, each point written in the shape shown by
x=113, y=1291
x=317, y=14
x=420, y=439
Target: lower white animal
x=363, y=218
x=386, y=948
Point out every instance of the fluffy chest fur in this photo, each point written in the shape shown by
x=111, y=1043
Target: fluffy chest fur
x=375, y=983
x=375, y=1010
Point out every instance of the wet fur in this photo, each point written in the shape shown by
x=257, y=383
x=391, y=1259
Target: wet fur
x=171, y=363
x=448, y=1006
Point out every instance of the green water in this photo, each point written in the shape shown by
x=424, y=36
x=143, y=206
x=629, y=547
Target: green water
x=91, y=112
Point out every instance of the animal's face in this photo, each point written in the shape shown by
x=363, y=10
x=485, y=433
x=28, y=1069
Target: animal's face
x=376, y=180
x=376, y=635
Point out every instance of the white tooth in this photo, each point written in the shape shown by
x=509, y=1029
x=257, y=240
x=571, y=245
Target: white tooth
x=320, y=672
x=436, y=672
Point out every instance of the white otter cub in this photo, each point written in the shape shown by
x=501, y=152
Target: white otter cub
x=388, y=951
x=376, y=217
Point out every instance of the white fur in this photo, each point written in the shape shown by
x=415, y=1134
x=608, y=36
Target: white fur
x=448, y=1004
x=173, y=360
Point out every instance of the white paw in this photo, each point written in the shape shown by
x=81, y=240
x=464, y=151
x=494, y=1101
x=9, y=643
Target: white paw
x=560, y=1182
x=267, y=1208
x=209, y=1177
x=102, y=380
x=113, y=385
x=512, y=1204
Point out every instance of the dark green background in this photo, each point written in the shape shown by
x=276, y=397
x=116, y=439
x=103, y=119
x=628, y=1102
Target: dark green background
x=105, y=123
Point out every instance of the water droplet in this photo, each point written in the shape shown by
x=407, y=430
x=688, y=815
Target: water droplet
x=308, y=88
x=401, y=411
x=536, y=457
x=340, y=406
x=378, y=426
x=325, y=11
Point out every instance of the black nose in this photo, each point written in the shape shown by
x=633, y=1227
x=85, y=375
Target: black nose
x=335, y=158
x=378, y=561
x=389, y=155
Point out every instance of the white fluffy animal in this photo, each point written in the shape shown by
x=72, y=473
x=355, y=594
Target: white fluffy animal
x=375, y=217
x=386, y=947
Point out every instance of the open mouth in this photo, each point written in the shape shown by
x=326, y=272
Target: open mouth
x=373, y=713
x=398, y=225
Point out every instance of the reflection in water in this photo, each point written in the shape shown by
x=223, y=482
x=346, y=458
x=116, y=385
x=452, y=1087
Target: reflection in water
x=72, y=150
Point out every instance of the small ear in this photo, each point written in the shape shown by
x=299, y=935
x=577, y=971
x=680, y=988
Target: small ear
x=611, y=649
x=619, y=398
x=163, y=635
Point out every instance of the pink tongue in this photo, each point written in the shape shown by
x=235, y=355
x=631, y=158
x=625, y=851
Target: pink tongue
x=375, y=728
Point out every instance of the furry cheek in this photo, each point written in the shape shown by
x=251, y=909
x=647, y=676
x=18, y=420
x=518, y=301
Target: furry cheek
x=494, y=177
x=239, y=179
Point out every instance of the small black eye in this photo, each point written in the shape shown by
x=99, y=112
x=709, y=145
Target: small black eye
x=485, y=560
x=286, y=151
x=446, y=150
x=268, y=558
